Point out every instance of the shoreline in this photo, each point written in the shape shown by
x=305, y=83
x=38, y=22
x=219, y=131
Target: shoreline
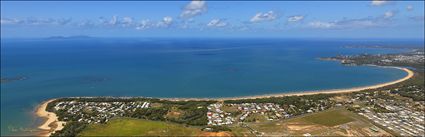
x=409, y=75
x=51, y=118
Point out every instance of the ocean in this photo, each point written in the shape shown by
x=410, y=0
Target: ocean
x=174, y=67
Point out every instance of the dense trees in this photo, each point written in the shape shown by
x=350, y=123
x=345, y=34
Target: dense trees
x=150, y=114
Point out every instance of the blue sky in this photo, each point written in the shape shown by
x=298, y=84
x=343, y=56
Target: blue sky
x=287, y=19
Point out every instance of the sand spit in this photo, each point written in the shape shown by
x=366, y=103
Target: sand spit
x=52, y=123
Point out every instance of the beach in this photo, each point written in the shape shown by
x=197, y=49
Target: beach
x=409, y=75
x=52, y=123
x=311, y=92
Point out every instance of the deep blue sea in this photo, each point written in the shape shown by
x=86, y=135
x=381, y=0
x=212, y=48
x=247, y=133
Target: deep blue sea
x=175, y=67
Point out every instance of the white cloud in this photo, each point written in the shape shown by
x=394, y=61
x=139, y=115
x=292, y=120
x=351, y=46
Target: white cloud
x=409, y=7
x=86, y=23
x=194, y=8
x=63, y=21
x=379, y=2
x=295, y=18
x=322, y=25
x=36, y=21
x=217, y=23
x=114, y=20
x=166, y=22
x=268, y=16
x=389, y=14
x=144, y=24
x=351, y=23
x=8, y=21
x=127, y=21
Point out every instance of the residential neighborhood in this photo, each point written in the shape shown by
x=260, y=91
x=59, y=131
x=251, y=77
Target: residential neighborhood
x=97, y=112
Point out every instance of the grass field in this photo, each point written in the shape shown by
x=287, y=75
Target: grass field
x=139, y=127
x=230, y=109
x=329, y=118
x=256, y=118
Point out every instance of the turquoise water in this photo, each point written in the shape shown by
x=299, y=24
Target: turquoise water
x=172, y=68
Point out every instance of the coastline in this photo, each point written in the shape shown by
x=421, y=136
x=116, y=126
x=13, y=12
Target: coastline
x=409, y=75
x=52, y=122
x=53, y=119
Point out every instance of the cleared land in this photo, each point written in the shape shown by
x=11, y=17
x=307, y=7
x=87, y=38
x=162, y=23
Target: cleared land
x=139, y=127
x=335, y=122
x=329, y=118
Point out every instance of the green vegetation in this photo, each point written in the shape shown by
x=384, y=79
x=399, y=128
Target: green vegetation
x=302, y=103
x=380, y=109
x=255, y=118
x=408, y=59
x=150, y=114
x=283, y=100
x=219, y=128
x=193, y=111
x=138, y=127
x=329, y=118
x=413, y=88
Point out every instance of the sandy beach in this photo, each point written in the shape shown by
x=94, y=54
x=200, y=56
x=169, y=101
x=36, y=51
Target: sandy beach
x=52, y=123
x=311, y=92
x=332, y=91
